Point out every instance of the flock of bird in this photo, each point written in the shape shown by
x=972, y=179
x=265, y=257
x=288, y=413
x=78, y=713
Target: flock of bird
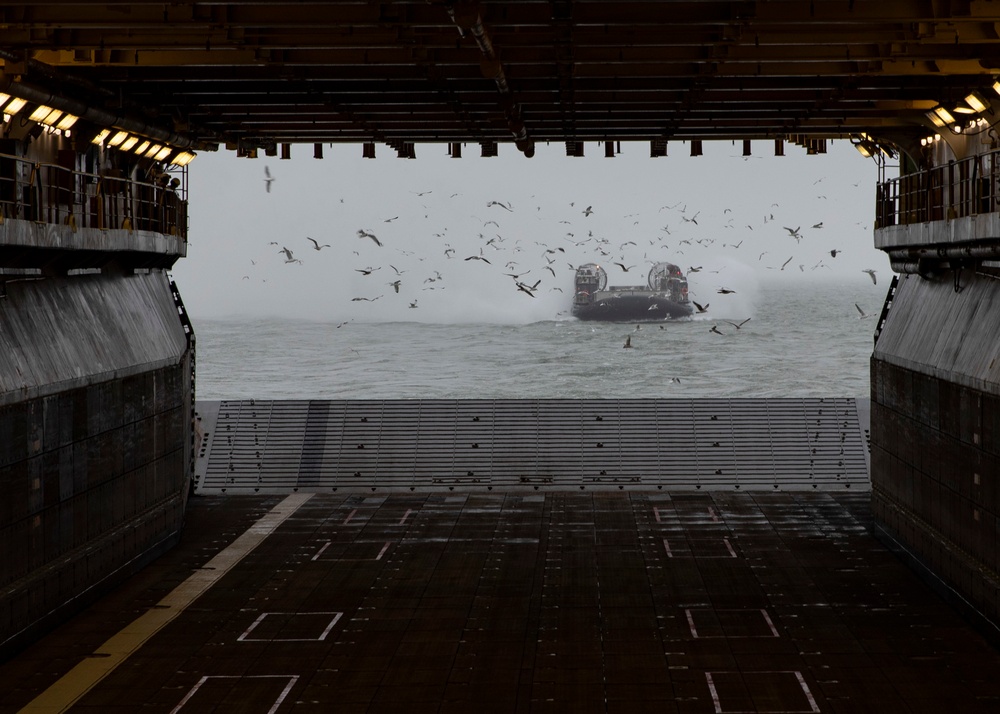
x=572, y=236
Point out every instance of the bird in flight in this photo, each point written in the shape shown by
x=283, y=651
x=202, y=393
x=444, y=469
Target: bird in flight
x=786, y=262
x=316, y=243
x=505, y=206
x=725, y=291
x=715, y=329
x=622, y=266
x=268, y=179
x=701, y=308
x=794, y=232
x=587, y=211
x=366, y=271
x=395, y=284
x=365, y=299
x=366, y=234
x=479, y=257
x=833, y=253
x=871, y=274
x=288, y=255
x=628, y=342
x=740, y=324
x=863, y=315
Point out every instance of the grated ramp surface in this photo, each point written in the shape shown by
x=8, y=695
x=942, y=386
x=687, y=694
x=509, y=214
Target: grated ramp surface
x=254, y=446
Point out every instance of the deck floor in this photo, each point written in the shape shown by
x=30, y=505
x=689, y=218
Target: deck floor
x=634, y=601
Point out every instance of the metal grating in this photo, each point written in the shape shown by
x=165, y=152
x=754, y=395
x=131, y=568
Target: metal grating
x=316, y=445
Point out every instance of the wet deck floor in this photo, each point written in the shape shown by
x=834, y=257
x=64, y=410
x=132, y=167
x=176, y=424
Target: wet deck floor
x=638, y=601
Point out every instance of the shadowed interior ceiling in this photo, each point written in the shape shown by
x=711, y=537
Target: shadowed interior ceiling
x=254, y=74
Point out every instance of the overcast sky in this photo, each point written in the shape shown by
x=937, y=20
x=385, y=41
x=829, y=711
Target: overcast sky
x=432, y=213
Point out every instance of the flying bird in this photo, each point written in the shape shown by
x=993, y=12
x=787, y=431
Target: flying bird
x=316, y=243
x=505, y=206
x=701, y=308
x=628, y=342
x=740, y=324
x=268, y=179
x=863, y=315
x=366, y=271
x=622, y=266
x=288, y=255
x=833, y=253
x=395, y=285
x=715, y=329
x=366, y=234
x=794, y=232
x=786, y=262
x=871, y=274
x=479, y=257
x=587, y=211
x=725, y=291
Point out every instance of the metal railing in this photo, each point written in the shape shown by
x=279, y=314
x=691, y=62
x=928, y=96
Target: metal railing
x=959, y=188
x=49, y=193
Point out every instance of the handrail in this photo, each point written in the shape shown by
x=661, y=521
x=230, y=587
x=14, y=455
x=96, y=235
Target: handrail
x=50, y=193
x=967, y=187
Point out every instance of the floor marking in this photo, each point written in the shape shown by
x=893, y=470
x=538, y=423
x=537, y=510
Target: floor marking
x=729, y=547
x=384, y=549
x=245, y=636
x=767, y=619
x=350, y=516
x=666, y=546
x=320, y=552
x=83, y=677
x=813, y=706
x=694, y=632
x=712, y=513
x=292, y=679
x=405, y=516
x=656, y=513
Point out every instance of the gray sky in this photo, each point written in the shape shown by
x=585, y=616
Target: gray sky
x=232, y=270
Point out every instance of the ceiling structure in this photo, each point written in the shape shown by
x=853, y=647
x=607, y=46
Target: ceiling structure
x=252, y=75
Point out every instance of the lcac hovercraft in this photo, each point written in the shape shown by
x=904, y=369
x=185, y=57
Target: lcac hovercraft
x=663, y=297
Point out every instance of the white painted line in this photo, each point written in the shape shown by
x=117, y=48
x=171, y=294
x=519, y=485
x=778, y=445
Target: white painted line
x=320, y=551
x=729, y=547
x=405, y=516
x=292, y=679
x=690, y=619
x=767, y=619
x=384, y=549
x=84, y=676
x=245, y=638
x=656, y=514
x=666, y=546
x=744, y=674
x=713, y=514
x=350, y=516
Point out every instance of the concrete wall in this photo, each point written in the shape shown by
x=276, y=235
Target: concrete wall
x=95, y=439
x=936, y=435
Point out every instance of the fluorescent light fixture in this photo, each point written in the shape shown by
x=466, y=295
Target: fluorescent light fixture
x=944, y=114
x=41, y=111
x=996, y=86
x=162, y=153
x=66, y=122
x=153, y=151
x=3, y=98
x=99, y=139
x=975, y=101
x=141, y=148
x=184, y=158
x=129, y=143
x=16, y=105
x=118, y=138
x=52, y=117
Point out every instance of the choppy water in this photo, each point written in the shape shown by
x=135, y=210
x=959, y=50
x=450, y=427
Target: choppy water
x=802, y=341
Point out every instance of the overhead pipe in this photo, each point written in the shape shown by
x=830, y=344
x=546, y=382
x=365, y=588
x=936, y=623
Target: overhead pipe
x=468, y=19
x=95, y=115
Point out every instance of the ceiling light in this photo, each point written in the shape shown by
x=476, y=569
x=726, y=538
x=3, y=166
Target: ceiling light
x=3, y=98
x=129, y=143
x=118, y=138
x=944, y=115
x=975, y=101
x=184, y=158
x=67, y=122
x=99, y=139
x=141, y=148
x=162, y=153
x=153, y=151
x=52, y=117
x=41, y=111
x=16, y=105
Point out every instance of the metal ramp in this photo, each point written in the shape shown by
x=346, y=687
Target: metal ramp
x=255, y=446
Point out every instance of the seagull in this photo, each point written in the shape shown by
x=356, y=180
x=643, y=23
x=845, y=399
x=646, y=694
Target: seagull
x=725, y=291
x=288, y=255
x=692, y=269
x=622, y=266
x=871, y=274
x=366, y=271
x=833, y=253
x=701, y=308
x=738, y=325
x=530, y=289
x=366, y=234
x=316, y=243
x=818, y=225
x=793, y=232
x=479, y=257
x=395, y=285
x=268, y=180
x=628, y=342
x=413, y=304
x=587, y=211
x=365, y=299
x=505, y=206
x=786, y=262
x=864, y=315
x=715, y=329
